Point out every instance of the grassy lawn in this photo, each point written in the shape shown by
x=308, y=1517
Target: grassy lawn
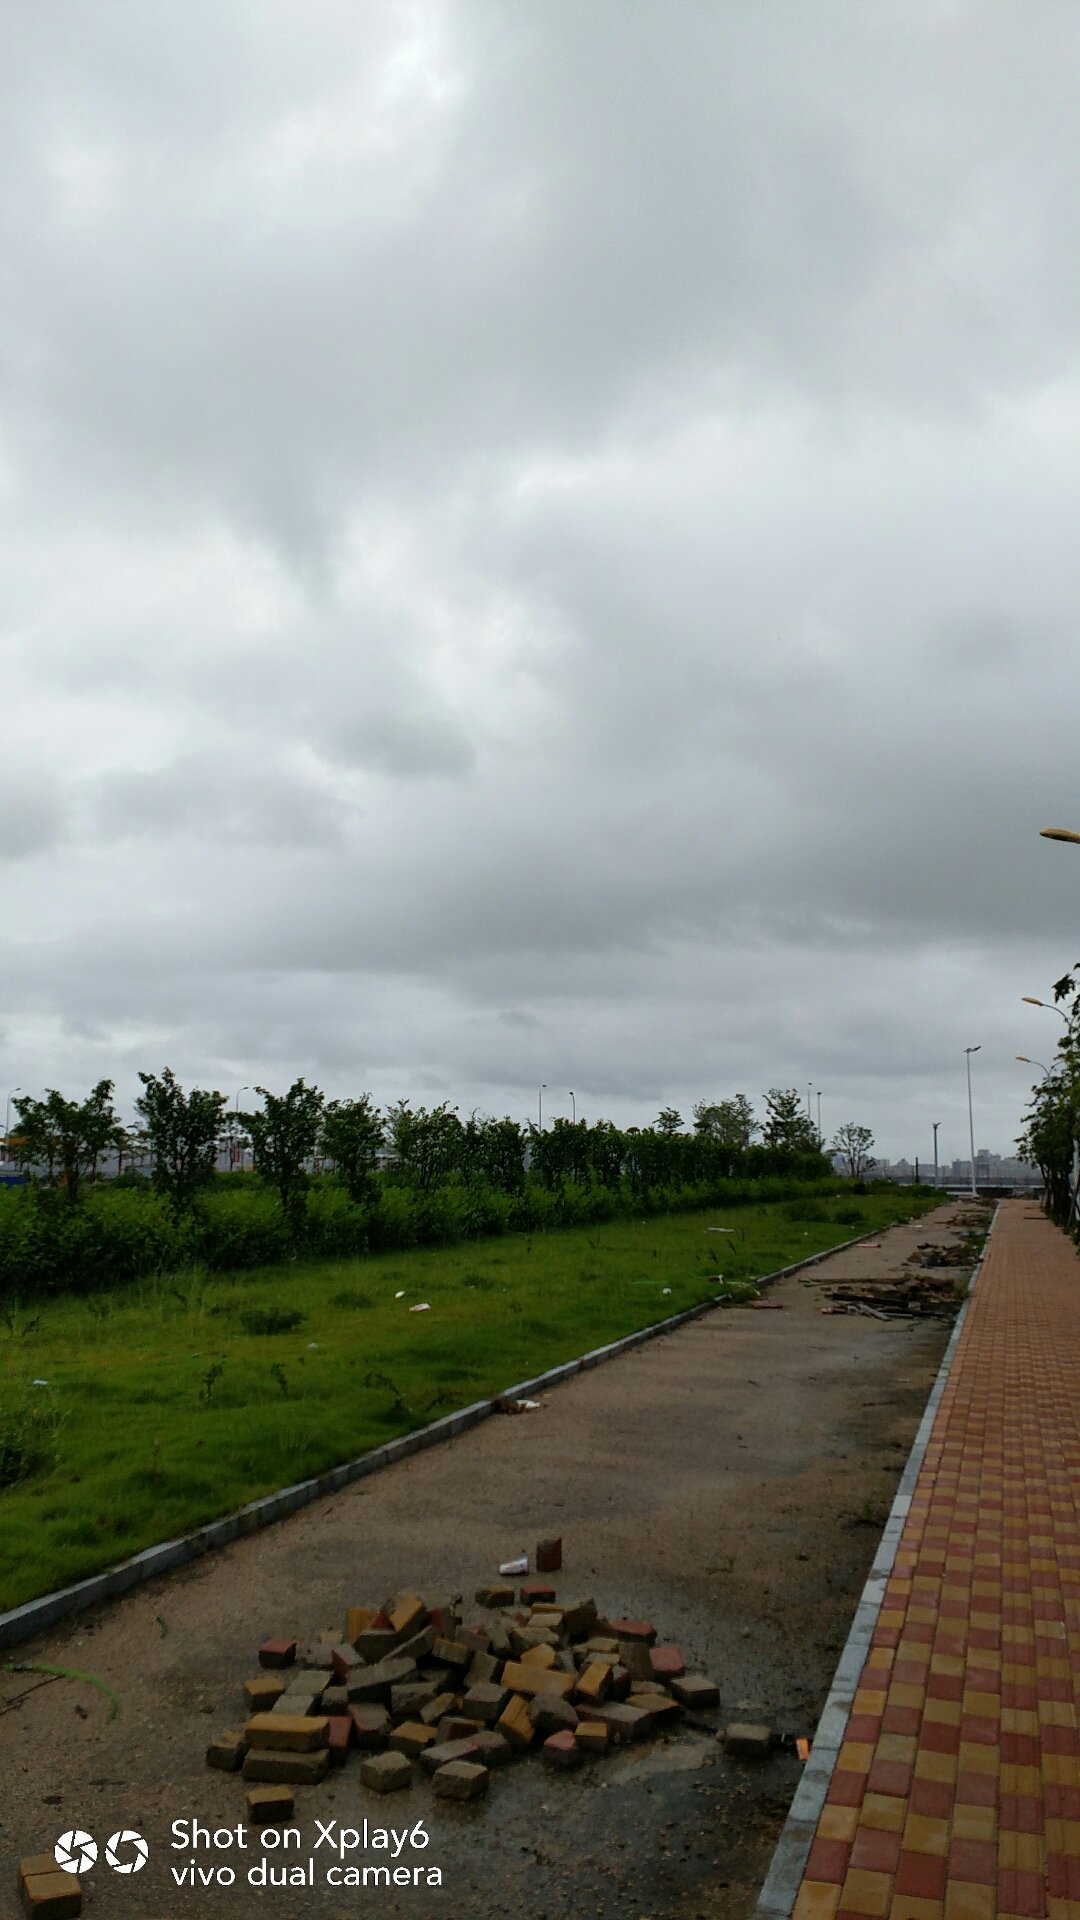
x=173, y=1411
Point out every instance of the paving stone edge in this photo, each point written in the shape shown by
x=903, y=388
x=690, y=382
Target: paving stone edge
x=779, y=1893
x=34, y=1616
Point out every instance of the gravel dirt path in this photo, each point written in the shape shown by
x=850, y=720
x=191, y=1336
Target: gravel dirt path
x=728, y=1482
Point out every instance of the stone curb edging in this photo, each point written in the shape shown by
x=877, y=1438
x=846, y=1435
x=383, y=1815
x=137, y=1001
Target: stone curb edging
x=784, y=1878
x=22, y=1623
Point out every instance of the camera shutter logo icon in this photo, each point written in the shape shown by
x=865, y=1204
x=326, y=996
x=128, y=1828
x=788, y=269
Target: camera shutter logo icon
x=75, y=1851
x=126, y=1851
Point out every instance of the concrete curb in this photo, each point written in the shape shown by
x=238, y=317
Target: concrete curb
x=22, y=1623
x=778, y=1895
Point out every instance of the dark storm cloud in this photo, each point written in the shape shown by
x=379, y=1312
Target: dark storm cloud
x=539, y=546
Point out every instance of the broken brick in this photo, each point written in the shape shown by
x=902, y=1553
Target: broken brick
x=386, y=1772
x=533, y=1590
x=495, y=1596
x=549, y=1714
x=667, y=1662
x=262, y=1692
x=522, y=1679
x=51, y=1896
x=694, y=1690
x=623, y=1723
x=460, y=1780
x=514, y=1723
x=371, y=1723
x=454, y=1653
x=340, y=1731
x=579, y=1619
x=267, y=1805
x=408, y=1614
x=592, y=1736
x=277, y=1653
x=485, y=1702
x=636, y=1657
x=357, y=1621
x=411, y=1738
x=281, y=1765
x=440, y=1754
x=539, y=1656
x=634, y=1630
x=377, y=1682
x=561, y=1750
x=227, y=1751
x=491, y=1748
x=344, y=1659
x=549, y=1554
x=593, y=1683
x=285, y=1732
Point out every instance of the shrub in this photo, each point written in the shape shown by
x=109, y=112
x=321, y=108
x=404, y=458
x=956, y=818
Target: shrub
x=29, y=1426
x=271, y=1319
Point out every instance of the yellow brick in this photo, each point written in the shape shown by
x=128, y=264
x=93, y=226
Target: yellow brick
x=986, y=1703
x=924, y=1835
x=974, y=1823
x=1022, y=1780
x=964, y=1900
x=935, y=1766
x=882, y=1811
x=818, y=1900
x=947, y=1663
x=902, y=1694
x=865, y=1892
x=870, y=1700
x=975, y=1758
x=855, y=1756
x=838, y=1823
x=946, y=1712
x=1024, y=1851
x=907, y=1906
x=896, y=1746
x=1056, y=1713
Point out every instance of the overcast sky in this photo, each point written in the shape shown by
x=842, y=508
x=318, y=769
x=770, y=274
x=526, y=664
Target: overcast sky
x=538, y=544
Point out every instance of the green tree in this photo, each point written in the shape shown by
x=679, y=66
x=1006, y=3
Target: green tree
x=787, y=1127
x=426, y=1146
x=730, y=1123
x=854, y=1144
x=284, y=1136
x=68, y=1137
x=669, y=1120
x=353, y=1133
x=182, y=1131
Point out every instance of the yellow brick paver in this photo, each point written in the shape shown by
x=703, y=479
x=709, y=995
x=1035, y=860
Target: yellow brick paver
x=957, y=1792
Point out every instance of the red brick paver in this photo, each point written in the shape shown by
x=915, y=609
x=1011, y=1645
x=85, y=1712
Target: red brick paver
x=956, y=1794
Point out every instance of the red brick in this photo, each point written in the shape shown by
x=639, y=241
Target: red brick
x=874, y=1850
x=667, y=1662
x=973, y=1860
x=633, y=1630
x=920, y=1875
x=1023, y=1893
x=828, y=1861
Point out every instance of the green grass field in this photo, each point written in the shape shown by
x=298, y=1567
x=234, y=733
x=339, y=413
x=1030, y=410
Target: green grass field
x=170, y=1411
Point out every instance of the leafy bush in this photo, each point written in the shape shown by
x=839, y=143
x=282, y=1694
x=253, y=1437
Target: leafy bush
x=29, y=1426
x=271, y=1319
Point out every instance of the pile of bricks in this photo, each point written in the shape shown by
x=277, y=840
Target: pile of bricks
x=409, y=1686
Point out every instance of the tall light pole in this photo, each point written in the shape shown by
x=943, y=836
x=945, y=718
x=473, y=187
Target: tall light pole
x=236, y=1123
x=971, y=1123
x=821, y=1136
x=573, y=1108
x=543, y=1089
x=7, y=1126
x=1029, y=1062
x=1030, y=1001
x=935, y=1124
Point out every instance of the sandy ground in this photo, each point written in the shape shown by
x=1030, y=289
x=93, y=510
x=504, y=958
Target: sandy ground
x=728, y=1482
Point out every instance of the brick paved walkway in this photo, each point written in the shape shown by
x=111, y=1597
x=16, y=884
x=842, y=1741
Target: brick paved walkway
x=956, y=1794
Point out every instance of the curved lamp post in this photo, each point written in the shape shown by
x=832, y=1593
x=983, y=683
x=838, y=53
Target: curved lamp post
x=1060, y=833
x=971, y=1123
x=1029, y=1062
x=1030, y=1001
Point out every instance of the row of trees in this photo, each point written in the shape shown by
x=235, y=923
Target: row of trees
x=1051, y=1136
x=62, y=1142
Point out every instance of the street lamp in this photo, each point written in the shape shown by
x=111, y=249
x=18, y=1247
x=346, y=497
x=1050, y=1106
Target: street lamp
x=971, y=1123
x=821, y=1136
x=543, y=1089
x=1029, y=1062
x=809, y=1084
x=1060, y=833
x=573, y=1108
x=935, y=1124
x=7, y=1126
x=236, y=1124
x=1030, y=1001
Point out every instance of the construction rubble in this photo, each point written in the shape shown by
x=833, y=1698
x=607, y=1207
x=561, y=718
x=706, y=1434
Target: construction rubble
x=412, y=1692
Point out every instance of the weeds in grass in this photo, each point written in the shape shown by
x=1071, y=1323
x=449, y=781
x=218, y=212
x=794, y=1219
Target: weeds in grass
x=209, y=1382
x=351, y=1299
x=260, y=1320
x=29, y=1431
x=400, y=1410
x=277, y=1375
